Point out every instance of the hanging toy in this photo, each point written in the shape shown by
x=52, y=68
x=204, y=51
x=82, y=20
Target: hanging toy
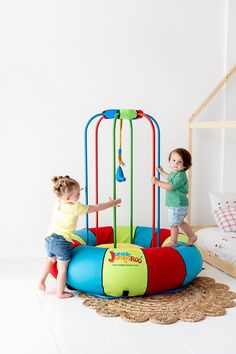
x=119, y=172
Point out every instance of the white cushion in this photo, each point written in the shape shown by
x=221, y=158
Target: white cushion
x=223, y=207
x=226, y=219
x=221, y=201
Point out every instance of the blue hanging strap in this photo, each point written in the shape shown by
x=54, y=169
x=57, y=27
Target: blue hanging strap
x=119, y=173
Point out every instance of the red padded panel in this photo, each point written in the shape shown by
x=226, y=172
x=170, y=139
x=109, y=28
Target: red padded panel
x=162, y=264
x=164, y=234
x=104, y=235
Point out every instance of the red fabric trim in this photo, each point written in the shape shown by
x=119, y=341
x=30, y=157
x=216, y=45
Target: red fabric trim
x=164, y=234
x=53, y=270
x=103, y=234
x=139, y=113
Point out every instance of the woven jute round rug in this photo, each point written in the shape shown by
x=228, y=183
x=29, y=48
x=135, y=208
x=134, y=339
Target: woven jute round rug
x=203, y=297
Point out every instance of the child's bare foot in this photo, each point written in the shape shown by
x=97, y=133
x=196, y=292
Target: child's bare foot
x=191, y=240
x=171, y=244
x=42, y=286
x=64, y=295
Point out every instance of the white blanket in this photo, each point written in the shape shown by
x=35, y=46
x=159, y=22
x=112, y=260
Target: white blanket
x=222, y=244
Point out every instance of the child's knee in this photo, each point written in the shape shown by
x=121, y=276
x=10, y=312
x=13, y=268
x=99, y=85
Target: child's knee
x=174, y=227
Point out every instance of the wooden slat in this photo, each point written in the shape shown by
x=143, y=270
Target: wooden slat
x=218, y=262
x=213, y=125
x=212, y=94
x=199, y=227
x=205, y=125
x=189, y=172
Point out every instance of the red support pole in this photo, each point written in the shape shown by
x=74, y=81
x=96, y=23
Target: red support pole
x=96, y=172
x=154, y=235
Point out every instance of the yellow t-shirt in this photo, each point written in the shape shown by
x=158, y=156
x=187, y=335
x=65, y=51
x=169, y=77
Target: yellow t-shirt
x=65, y=218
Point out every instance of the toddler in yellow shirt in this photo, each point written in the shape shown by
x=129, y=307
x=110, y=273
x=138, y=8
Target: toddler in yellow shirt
x=66, y=212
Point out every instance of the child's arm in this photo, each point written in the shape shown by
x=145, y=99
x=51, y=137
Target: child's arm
x=162, y=184
x=163, y=173
x=102, y=206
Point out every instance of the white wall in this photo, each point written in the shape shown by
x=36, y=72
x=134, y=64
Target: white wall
x=62, y=62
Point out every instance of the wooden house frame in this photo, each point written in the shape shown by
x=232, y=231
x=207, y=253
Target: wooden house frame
x=194, y=124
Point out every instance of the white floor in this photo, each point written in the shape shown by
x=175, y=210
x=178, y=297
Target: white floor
x=32, y=322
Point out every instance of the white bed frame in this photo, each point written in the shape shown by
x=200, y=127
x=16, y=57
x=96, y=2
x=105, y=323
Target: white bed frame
x=209, y=257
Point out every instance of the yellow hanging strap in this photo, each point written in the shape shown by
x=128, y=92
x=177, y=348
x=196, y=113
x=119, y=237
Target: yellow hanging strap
x=120, y=146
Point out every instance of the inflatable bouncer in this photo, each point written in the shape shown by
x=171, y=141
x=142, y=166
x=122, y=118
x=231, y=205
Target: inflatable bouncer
x=115, y=261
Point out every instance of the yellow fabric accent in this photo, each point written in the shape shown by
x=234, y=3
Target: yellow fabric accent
x=79, y=239
x=123, y=234
x=181, y=238
x=65, y=218
x=119, y=245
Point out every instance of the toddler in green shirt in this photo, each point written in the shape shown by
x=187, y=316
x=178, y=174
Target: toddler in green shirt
x=176, y=194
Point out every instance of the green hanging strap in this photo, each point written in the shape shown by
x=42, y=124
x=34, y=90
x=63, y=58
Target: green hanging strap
x=114, y=180
x=131, y=181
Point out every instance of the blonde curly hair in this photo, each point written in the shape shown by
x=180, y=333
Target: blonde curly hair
x=63, y=185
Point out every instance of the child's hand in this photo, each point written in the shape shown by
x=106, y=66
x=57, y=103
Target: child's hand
x=159, y=169
x=154, y=180
x=115, y=202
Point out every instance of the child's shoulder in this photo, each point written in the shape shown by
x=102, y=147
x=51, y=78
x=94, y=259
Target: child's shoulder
x=182, y=175
x=177, y=176
x=81, y=208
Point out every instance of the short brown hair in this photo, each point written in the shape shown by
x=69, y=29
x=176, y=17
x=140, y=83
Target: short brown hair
x=63, y=185
x=185, y=155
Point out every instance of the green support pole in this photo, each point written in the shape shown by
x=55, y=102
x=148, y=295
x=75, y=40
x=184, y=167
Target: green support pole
x=114, y=178
x=131, y=181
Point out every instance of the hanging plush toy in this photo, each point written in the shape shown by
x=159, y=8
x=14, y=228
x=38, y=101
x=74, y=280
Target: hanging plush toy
x=119, y=172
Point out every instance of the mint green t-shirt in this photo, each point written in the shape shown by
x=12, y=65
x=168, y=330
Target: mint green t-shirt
x=178, y=196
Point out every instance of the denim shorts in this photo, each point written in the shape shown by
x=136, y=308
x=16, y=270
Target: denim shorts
x=57, y=246
x=176, y=215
